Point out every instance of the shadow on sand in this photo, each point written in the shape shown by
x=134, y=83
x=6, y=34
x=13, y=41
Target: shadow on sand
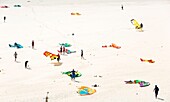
x=161, y=99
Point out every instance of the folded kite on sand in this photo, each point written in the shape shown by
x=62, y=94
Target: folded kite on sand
x=140, y=82
x=49, y=54
x=4, y=6
x=84, y=90
x=16, y=45
x=75, y=13
x=17, y=5
x=78, y=74
x=67, y=51
x=144, y=84
x=65, y=44
x=112, y=45
x=146, y=60
x=137, y=25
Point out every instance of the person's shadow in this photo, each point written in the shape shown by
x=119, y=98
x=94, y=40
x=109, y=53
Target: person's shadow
x=161, y=99
x=17, y=61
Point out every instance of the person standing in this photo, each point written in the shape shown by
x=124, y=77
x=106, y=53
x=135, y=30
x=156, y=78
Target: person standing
x=15, y=55
x=32, y=44
x=73, y=75
x=141, y=25
x=46, y=98
x=122, y=7
x=58, y=58
x=61, y=49
x=4, y=19
x=82, y=54
x=156, y=90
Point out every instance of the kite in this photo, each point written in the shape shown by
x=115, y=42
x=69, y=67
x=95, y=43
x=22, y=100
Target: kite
x=76, y=13
x=78, y=74
x=112, y=45
x=84, y=90
x=136, y=24
x=65, y=44
x=15, y=45
x=146, y=60
x=140, y=82
x=49, y=54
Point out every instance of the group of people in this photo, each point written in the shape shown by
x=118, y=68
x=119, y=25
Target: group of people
x=26, y=62
x=62, y=50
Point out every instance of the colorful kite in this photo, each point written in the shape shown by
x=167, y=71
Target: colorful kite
x=146, y=60
x=49, y=54
x=16, y=45
x=65, y=44
x=84, y=90
x=136, y=24
x=75, y=13
x=140, y=82
x=78, y=74
x=67, y=51
x=112, y=45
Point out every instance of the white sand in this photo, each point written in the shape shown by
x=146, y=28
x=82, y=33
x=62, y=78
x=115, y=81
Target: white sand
x=101, y=22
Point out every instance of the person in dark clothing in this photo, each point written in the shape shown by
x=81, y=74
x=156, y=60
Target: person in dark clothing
x=122, y=7
x=156, y=89
x=58, y=58
x=32, y=44
x=15, y=44
x=141, y=25
x=61, y=49
x=46, y=98
x=4, y=19
x=73, y=74
x=26, y=64
x=82, y=54
x=15, y=55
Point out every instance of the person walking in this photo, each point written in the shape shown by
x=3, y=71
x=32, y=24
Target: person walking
x=32, y=44
x=156, y=90
x=26, y=64
x=15, y=55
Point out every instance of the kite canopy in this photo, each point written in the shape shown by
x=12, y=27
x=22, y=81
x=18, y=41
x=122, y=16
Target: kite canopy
x=78, y=74
x=4, y=6
x=140, y=82
x=146, y=60
x=67, y=51
x=144, y=84
x=111, y=45
x=84, y=90
x=136, y=24
x=49, y=54
x=65, y=44
x=17, y=5
x=16, y=45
